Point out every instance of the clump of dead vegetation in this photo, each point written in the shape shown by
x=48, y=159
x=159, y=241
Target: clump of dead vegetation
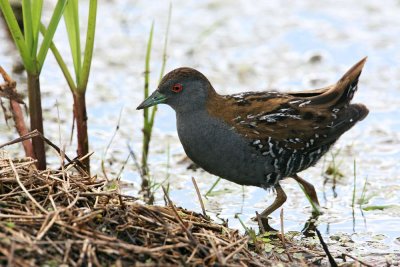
x=57, y=217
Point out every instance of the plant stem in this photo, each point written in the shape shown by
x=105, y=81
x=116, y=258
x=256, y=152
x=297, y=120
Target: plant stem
x=212, y=187
x=146, y=121
x=36, y=117
x=81, y=127
x=146, y=143
x=354, y=186
x=18, y=116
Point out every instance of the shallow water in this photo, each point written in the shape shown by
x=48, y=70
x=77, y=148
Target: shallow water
x=239, y=46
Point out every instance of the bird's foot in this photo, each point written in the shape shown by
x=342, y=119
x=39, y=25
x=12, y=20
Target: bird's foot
x=263, y=224
x=310, y=225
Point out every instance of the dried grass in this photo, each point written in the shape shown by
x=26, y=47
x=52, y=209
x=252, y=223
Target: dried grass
x=60, y=217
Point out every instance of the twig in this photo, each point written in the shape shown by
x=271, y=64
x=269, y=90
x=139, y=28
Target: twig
x=36, y=133
x=199, y=197
x=103, y=168
x=83, y=252
x=48, y=226
x=217, y=252
x=260, y=224
x=191, y=237
x=325, y=247
x=136, y=162
x=118, y=176
x=24, y=189
x=235, y=251
x=282, y=230
x=283, y=237
x=358, y=260
x=8, y=90
x=175, y=212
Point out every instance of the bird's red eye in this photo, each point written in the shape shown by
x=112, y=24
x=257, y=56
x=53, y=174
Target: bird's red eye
x=177, y=88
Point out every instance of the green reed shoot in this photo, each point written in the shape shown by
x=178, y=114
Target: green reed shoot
x=150, y=113
x=82, y=63
x=212, y=187
x=147, y=127
x=33, y=56
x=314, y=206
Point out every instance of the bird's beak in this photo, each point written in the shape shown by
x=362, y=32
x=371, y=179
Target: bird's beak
x=155, y=98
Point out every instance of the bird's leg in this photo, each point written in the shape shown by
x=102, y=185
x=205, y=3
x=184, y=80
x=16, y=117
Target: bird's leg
x=308, y=188
x=279, y=200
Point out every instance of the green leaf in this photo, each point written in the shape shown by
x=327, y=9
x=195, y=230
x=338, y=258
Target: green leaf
x=379, y=207
x=51, y=29
x=17, y=35
x=266, y=240
x=71, y=19
x=37, y=6
x=87, y=61
x=27, y=19
x=268, y=247
x=10, y=224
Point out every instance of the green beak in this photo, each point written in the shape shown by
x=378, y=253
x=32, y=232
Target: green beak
x=155, y=98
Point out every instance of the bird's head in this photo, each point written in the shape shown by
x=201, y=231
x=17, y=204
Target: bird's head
x=184, y=89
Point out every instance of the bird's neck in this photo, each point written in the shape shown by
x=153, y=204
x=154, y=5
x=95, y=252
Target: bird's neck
x=218, y=106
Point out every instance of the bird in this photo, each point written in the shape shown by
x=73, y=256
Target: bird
x=259, y=138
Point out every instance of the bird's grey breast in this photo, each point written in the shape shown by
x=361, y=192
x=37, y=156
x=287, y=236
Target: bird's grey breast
x=219, y=149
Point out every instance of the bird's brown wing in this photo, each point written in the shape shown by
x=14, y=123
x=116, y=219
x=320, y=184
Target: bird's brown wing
x=284, y=119
x=305, y=120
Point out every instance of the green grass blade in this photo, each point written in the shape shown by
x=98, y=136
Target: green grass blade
x=146, y=122
x=90, y=35
x=17, y=35
x=71, y=19
x=212, y=187
x=363, y=200
x=60, y=61
x=164, y=61
x=147, y=61
x=51, y=29
x=28, y=32
x=37, y=7
x=315, y=208
x=380, y=207
x=147, y=73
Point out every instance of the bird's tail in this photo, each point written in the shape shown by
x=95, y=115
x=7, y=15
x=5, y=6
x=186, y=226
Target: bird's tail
x=343, y=91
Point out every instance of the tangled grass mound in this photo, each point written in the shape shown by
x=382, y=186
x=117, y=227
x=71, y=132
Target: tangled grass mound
x=63, y=217
x=57, y=217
